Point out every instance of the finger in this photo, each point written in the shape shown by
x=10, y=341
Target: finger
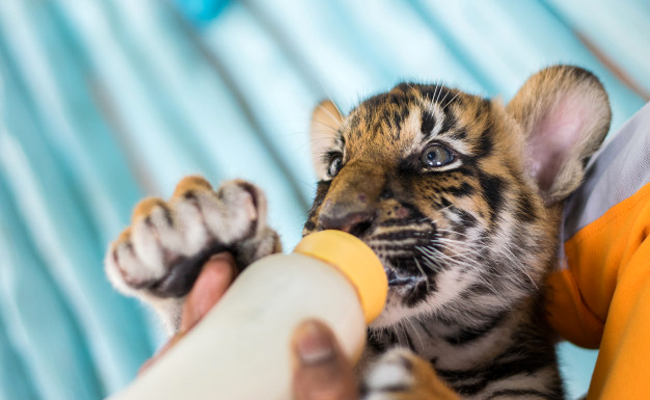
x=321, y=370
x=215, y=277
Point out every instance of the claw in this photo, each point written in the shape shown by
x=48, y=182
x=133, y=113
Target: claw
x=191, y=183
x=146, y=207
x=125, y=235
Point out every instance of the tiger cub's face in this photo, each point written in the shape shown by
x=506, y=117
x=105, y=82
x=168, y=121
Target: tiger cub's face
x=458, y=195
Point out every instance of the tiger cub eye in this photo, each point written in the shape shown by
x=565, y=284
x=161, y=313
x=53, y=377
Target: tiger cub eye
x=335, y=166
x=436, y=156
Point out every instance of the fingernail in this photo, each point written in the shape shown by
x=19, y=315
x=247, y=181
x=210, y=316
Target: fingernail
x=314, y=345
x=223, y=256
x=222, y=259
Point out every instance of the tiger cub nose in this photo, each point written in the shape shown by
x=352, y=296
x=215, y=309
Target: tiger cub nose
x=354, y=222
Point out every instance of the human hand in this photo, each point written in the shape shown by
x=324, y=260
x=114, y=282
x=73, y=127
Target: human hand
x=213, y=281
x=321, y=370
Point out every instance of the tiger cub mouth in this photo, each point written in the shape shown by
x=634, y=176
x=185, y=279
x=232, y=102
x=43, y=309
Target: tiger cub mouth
x=410, y=253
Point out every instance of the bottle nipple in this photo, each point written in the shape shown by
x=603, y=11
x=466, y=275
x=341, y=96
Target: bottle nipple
x=354, y=259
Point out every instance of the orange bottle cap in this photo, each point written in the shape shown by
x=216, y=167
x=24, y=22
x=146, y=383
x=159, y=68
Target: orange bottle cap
x=356, y=261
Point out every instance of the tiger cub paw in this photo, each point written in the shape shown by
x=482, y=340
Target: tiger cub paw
x=401, y=375
x=159, y=256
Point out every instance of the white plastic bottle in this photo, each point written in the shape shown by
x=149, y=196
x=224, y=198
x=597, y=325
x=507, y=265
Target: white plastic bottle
x=241, y=349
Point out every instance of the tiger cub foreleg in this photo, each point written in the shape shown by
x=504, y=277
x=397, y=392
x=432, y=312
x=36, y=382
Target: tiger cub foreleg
x=401, y=375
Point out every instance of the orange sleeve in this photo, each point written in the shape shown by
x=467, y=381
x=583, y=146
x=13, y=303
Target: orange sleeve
x=602, y=298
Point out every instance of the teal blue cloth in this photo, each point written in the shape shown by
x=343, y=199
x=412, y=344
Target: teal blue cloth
x=105, y=101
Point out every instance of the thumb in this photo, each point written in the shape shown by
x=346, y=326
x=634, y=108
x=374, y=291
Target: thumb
x=321, y=370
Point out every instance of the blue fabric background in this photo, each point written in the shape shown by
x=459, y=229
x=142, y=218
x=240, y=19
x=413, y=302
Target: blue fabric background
x=105, y=101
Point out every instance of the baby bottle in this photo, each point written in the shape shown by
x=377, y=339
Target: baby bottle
x=241, y=348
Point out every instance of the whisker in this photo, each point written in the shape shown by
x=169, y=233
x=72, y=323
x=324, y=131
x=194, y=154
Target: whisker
x=455, y=232
x=458, y=246
x=445, y=97
x=417, y=334
x=452, y=99
x=439, y=93
x=426, y=278
x=515, y=263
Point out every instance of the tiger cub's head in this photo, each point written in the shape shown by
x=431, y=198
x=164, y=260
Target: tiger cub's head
x=460, y=196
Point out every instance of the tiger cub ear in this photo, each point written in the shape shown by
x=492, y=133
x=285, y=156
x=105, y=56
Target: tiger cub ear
x=565, y=114
x=326, y=120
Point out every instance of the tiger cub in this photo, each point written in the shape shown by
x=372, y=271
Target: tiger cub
x=461, y=198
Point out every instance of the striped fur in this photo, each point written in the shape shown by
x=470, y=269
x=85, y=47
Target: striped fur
x=467, y=243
